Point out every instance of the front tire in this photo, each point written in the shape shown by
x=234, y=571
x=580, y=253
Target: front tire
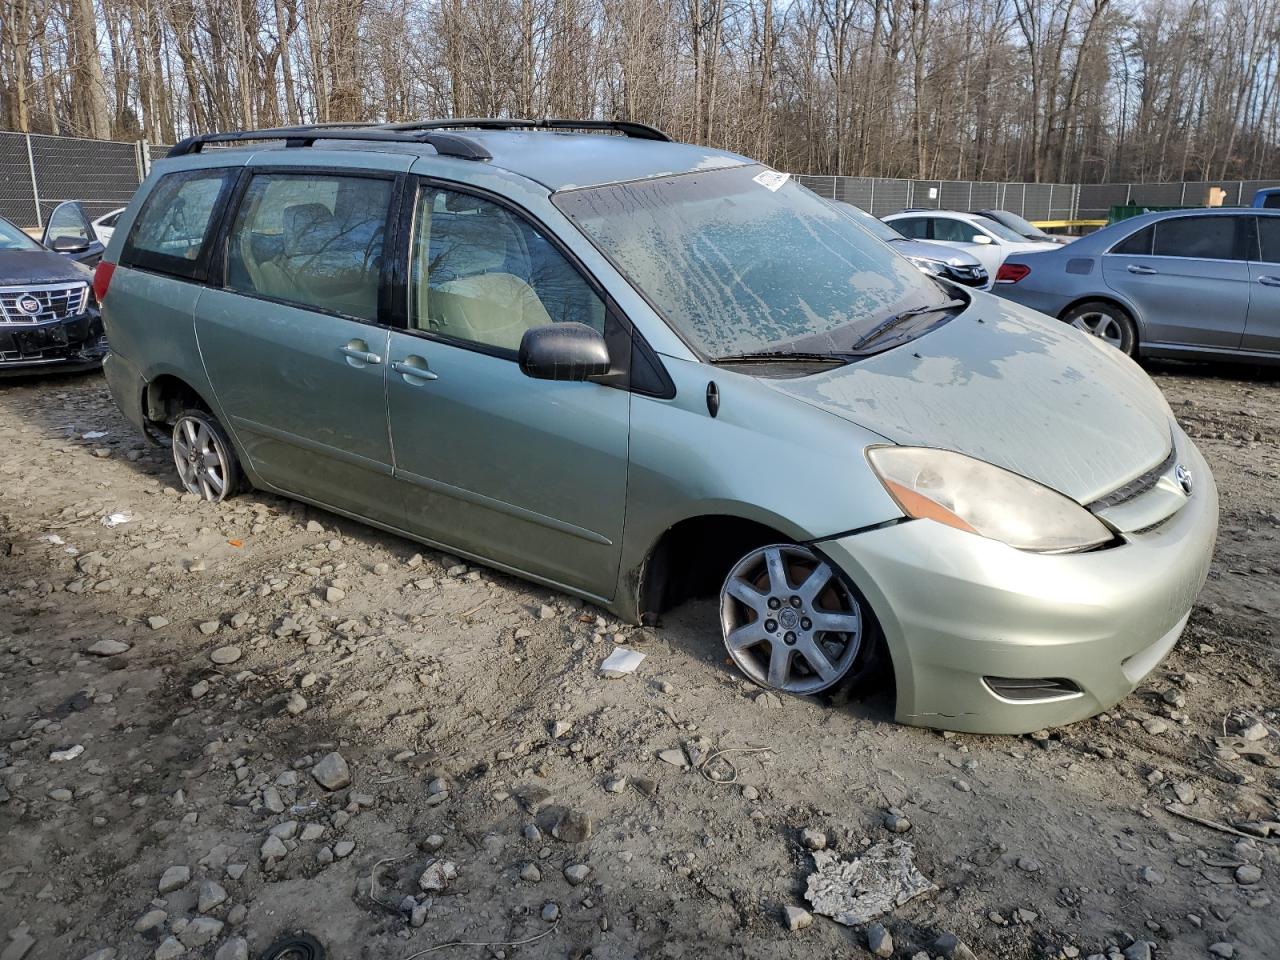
x=1107, y=322
x=205, y=459
x=793, y=623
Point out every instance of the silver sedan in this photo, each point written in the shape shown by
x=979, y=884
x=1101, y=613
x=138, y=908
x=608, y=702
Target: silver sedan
x=1185, y=284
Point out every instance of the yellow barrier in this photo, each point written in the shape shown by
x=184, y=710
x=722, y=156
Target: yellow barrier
x=1047, y=224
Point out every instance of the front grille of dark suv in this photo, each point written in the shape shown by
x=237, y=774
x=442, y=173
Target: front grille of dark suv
x=41, y=303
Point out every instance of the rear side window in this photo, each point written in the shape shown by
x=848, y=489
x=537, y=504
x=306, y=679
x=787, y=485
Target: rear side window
x=172, y=231
x=1136, y=244
x=915, y=228
x=1269, y=235
x=311, y=239
x=1272, y=201
x=1200, y=238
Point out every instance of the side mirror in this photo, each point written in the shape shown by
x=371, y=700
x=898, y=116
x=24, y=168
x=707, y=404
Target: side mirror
x=69, y=245
x=563, y=351
x=982, y=238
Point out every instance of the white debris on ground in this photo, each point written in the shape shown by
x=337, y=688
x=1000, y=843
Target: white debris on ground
x=878, y=880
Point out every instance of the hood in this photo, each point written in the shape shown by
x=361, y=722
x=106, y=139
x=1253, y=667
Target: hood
x=1033, y=246
x=19, y=267
x=1010, y=387
x=950, y=255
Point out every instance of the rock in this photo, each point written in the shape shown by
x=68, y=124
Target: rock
x=616, y=784
x=173, y=878
x=332, y=772
x=432, y=842
x=1223, y=949
x=296, y=704
x=237, y=914
x=1155, y=726
x=334, y=594
x=1138, y=950
x=530, y=873
x=61, y=794
x=272, y=848
x=750, y=793
x=896, y=823
x=225, y=655
x=437, y=876
x=574, y=826
x=1248, y=874
x=150, y=920
x=199, y=689
x=209, y=627
x=953, y=948
x=235, y=948
x=170, y=949
x=813, y=839
x=271, y=799
x=324, y=856
x=796, y=918
x=550, y=911
x=577, y=873
x=1185, y=793
x=560, y=728
x=674, y=757
x=417, y=913
x=1028, y=864
x=108, y=648
x=1253, y=732
x=236, y=870
x=200, y=931
x=103, y=953
x=879, y=941
x=312, y=831
x=343, y=849
x=285, y=830
x=20, y=942
x=157, y=623
x=212, y=895
x=546, y=612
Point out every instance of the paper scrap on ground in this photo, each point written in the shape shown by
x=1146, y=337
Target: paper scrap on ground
x=621, y=662
x=115, y=519
x=854, y=892
x=53, y=538
x=94, y=435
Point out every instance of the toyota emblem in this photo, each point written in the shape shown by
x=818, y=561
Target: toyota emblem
x=1184, y=478
x=29, y=305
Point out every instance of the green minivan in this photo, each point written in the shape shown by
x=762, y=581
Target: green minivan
x=638, y=371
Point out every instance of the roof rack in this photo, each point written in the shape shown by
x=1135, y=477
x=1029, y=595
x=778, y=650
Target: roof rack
x=629, y=128
x=446, y=144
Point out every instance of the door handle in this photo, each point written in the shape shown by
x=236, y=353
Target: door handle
x=414, y=369
x=1269, y=281
x=1141, y=270
x=359, y=350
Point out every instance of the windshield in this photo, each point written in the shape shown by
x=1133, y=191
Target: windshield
x=745, y=260
x=11, y=238
x=877, y=228
x=1014, y=222
x=1000, y=230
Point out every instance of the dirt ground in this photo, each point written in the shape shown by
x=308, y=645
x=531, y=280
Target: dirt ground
x=475, y=725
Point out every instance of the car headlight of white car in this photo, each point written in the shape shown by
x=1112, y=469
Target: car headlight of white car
x=935, y=268
x=977, y=497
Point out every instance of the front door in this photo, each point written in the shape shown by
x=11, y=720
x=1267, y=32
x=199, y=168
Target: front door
x=1188, y=278
x=529, y=474
x=1262, y=332
x=292, y=342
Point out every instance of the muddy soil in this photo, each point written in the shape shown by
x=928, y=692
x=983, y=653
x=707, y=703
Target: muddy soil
x=475, y=726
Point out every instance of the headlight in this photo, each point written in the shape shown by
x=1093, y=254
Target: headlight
x=934, y=268
x=979, y=498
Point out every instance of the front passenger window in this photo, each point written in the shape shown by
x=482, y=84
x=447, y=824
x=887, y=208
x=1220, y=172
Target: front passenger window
x=316, y=241
x=484, y=275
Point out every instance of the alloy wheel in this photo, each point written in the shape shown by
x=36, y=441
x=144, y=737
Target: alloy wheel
x=1101, y=325
x=202, y=460
x=790, y=621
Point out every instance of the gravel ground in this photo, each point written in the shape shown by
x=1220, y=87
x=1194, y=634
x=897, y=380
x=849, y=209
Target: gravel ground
x=222, y=724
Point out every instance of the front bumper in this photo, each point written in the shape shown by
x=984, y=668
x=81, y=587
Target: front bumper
x=76, y=342
x=956, y=608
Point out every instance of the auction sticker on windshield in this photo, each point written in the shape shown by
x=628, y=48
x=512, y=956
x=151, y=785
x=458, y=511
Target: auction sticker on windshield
x=772, y=179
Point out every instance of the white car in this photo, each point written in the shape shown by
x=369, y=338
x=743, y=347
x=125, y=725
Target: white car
x=105, y=225
x=987, y=240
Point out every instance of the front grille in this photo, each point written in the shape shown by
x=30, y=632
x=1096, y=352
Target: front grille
x=1137, y=486
x=42, y=303
x=969, y=276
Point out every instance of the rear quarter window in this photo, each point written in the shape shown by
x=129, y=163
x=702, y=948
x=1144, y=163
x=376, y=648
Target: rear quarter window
x=173, y=230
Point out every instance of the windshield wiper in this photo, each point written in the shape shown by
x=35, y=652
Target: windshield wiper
x=899, y=318
x=783, y=356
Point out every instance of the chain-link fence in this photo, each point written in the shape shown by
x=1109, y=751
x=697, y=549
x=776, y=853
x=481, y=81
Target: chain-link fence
x=38, y=172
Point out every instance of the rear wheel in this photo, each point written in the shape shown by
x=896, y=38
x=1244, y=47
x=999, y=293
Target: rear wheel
x=1107, y=322
x=205, y=459
x=793, y=623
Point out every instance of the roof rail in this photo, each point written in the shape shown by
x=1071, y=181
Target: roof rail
x=629, y=128
x=446, y=144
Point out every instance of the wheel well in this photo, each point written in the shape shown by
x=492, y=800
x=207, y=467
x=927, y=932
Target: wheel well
x=1109, y=301
x=166, y=396
x=692, y=558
